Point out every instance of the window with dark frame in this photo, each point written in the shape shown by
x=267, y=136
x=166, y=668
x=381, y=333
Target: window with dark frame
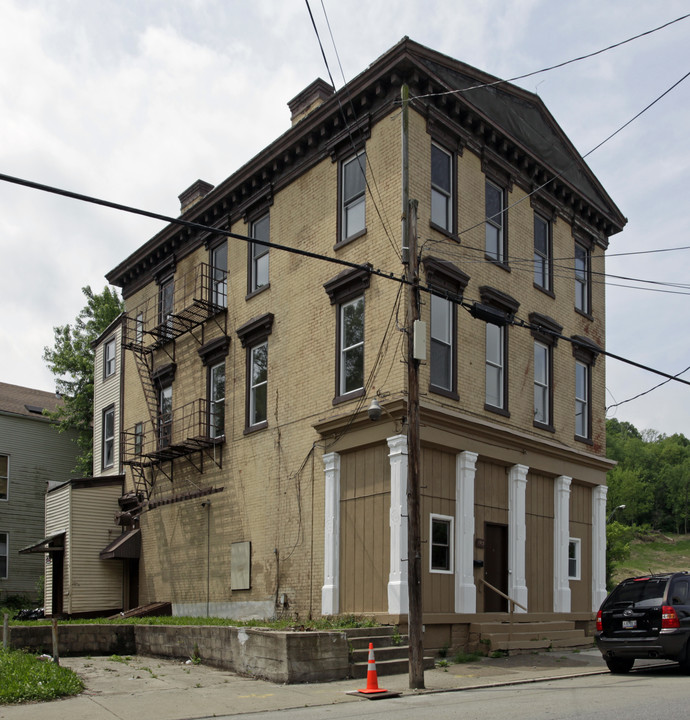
x=166, y=293
x=582, y=390
x=4, y=476
x=441, y=548
x=494, y=209
x=108, y=451
x=254, y=338
x=353, y=193
x=442, y=349
x=441, y=188
x=542, y=252
x=258, y=384
x=139, y=329
x=4, y=555
x=216, y=398
x=109, y=357
x=542, y=383
x=138, y=439
x=582, y=279
x=258, y=254
x=165, y=418
x=351, y=346
x=495, y=367
x=219, y=275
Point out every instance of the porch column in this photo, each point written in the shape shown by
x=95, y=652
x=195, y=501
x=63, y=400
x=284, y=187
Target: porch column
x=598, y=545
x=517, y=534
x=465, y=589
x=330, y=592
x=561, y=541
x=397, y=577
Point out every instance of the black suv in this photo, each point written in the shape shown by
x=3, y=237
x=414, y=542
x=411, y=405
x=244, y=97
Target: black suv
x=646, y=617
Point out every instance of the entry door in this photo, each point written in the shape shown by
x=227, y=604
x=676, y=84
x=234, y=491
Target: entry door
x=58, y=560
x=495, y=566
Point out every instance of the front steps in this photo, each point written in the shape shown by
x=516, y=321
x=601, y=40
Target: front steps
x=391, y=651
x=523, y=637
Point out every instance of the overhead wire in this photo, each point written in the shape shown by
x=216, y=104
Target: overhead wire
x=348, y=125
x=557, y=65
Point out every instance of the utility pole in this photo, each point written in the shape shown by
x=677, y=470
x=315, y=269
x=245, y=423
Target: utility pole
x=414, y=545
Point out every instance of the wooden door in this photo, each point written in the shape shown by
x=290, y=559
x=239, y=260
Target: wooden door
x=495, y=566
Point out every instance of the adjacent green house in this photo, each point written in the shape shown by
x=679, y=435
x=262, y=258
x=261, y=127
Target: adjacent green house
x=33, y=457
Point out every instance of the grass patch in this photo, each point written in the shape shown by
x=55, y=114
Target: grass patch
x=326, y=623
x=465, y=657
x=25, y=678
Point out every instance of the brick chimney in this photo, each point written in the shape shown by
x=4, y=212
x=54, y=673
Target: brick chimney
x=309, y=99
x=193, y=194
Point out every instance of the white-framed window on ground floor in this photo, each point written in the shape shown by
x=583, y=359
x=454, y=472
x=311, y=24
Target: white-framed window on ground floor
x=440, y=544
x=574, y=548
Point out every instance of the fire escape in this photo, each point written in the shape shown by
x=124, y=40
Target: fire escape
x=194, y=432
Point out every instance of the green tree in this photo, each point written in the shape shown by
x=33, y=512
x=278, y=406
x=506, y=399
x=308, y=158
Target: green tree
x=71, y=362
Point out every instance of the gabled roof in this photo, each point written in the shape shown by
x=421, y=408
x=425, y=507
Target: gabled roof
x=18, y=400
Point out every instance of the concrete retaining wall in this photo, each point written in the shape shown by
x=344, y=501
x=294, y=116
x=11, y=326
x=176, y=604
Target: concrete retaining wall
x=285, y=657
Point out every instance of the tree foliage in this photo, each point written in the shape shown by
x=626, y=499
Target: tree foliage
x=652, y=478
x=71, y=362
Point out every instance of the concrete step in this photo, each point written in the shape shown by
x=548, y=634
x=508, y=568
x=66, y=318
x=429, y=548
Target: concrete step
x=518, y=637
x=491, y=627
x=376, y=631
x=392, y=652
x=378, y=641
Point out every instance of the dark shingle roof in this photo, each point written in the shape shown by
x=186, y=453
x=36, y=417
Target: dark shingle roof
x=28, y=402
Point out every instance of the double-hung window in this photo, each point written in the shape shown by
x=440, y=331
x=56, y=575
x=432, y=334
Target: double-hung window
x=441, y=544
x=109, y=353
x=258, y=254
x=166, y=293
x=542, y=253
x=258, y=387
x=442, y=344
x=495, y=366
x=542, y=383
x=4, y=477
x=139, y=329
x=494, y=209
x=582, y=401
x=582, y=279
x=108, y=448
x=216, y=397
x=441, y=188
x=4, y=555
x=165, y=418
x=351, y=346
x=254, y=337
x=219, y=275
x=138, y=439
x=353, y=192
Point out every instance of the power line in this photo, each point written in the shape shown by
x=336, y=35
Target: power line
x=646, y=392
x=558, y=65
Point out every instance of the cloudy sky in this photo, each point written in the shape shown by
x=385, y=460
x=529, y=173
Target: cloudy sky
x=133, y=100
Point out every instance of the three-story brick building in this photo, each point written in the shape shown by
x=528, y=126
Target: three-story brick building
x=248, y=369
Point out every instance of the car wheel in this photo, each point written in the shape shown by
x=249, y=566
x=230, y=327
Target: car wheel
x=619, y=665
x=685, y=660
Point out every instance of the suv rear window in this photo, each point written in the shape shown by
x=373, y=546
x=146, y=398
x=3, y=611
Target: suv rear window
x=644, y=592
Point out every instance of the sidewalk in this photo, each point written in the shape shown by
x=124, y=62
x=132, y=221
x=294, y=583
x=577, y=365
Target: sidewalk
x=141, y=687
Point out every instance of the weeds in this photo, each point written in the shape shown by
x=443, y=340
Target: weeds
x=25, y=678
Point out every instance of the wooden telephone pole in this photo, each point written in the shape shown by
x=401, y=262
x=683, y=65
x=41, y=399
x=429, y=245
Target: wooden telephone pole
x=414, y=545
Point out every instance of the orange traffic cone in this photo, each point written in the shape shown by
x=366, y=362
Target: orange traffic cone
x=372, y=677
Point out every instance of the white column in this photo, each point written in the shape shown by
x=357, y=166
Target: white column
x=561, y=540
x=598, y=545
x=517, y=534
x=465, y=589
x=397, y=578
x=330, y=592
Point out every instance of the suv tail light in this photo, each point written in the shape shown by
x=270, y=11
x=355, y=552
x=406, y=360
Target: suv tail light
x=669, y=617
x=600, y=627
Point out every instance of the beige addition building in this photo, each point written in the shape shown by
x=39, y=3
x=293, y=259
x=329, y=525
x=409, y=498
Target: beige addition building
x=248, y=367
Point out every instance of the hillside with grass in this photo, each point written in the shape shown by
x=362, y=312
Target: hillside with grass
x=654, y=553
